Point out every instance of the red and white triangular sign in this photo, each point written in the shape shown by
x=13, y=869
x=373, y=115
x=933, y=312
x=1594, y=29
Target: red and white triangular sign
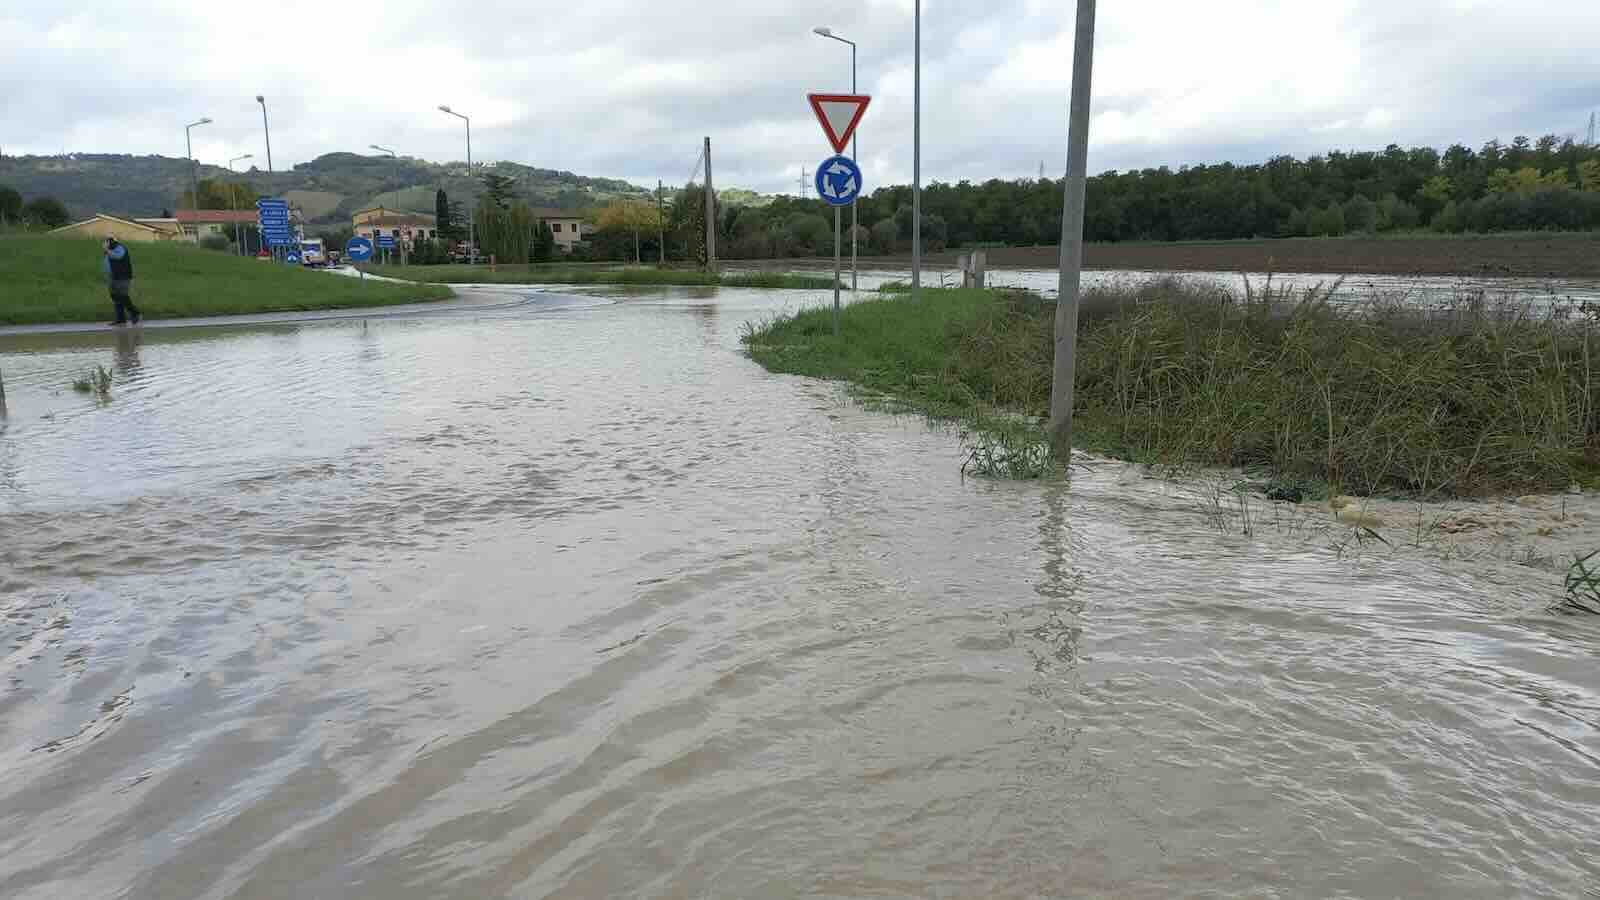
x=839, y=115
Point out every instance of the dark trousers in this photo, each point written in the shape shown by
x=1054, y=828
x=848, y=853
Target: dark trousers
x=123, y=302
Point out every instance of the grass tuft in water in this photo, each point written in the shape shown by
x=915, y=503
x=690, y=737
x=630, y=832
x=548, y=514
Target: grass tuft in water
x=97, y=382
x=1582, y=587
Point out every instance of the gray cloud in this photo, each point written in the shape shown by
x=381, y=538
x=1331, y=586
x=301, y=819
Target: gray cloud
x=626, y=89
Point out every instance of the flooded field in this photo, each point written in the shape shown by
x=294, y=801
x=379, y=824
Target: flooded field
x=567, y=598
x=1416, y=289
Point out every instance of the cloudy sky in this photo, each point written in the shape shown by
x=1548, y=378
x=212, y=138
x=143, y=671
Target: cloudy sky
x=627, y=88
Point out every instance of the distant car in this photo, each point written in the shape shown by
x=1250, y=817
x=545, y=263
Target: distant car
x=312, y=252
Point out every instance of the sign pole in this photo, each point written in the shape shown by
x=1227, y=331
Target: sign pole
x=836, y=219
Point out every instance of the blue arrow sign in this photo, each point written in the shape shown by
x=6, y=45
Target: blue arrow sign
x=358, y=249
x=291, y=257
x=839, y=181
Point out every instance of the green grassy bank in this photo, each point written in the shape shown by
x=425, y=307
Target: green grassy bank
x=1370, y=398
x=45, y=279
x=635, y=275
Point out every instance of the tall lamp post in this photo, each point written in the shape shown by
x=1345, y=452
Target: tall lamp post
x=855, y=147
x=194, y=173
x=233, y=203
x=266, y=130
x=472, y=225
x=396, y=194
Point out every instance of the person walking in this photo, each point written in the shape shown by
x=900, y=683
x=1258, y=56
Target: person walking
x=119, y=275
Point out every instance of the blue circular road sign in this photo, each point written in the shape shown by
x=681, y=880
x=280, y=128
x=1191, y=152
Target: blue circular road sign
x=291, y=257
x=358, y=249
x=839, y=181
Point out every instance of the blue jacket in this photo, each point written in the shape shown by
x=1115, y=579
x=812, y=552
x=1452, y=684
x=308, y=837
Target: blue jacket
x=117, y=264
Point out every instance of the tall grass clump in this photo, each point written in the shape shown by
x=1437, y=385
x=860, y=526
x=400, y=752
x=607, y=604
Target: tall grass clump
x=1467, y=399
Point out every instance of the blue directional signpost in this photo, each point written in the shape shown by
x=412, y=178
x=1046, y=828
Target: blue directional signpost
x=272, y=215
x=838, y=178
x=358, y=249
x=839, y=181
x=385, y=243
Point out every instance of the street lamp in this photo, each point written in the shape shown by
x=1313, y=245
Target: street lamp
x=194, y=172
x=472, y=226
x=396, y=194
x=396, y=159
x=233, y=202
x=855, y=149
x=267, y=131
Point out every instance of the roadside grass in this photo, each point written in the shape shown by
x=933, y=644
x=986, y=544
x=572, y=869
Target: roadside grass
x=1367, y=398
x=46, y=279
x=631, y=275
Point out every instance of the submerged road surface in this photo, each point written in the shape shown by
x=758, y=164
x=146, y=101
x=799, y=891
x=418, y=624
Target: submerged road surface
x=570, y=599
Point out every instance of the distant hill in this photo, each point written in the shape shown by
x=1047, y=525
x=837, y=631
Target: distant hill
x=329, y=188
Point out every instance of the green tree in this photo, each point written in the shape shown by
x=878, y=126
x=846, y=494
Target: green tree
x=1360, y=215
x=444, y=215
x=1448, y=219
x=10, y=205
x=1589, y=175
x=45, y=212
x=1327, y=222
x=884, y=235
x=498, y=190
x=544, y=243
x=506, y=233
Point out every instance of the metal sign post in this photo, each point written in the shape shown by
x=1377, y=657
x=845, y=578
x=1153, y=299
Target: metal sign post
x=838, y=184
x=839, y=178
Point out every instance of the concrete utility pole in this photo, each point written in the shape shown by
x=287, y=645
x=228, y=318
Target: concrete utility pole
x=916, y=160
x=661, y=226
x=711, y=215
x=1066, y=328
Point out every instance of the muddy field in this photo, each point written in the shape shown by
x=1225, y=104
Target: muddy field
x=1531, y=256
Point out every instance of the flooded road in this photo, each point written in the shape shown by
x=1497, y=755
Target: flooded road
x=568, y=598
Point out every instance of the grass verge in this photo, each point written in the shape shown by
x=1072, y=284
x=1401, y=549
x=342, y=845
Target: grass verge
x=635, y=275
x=1468, y=400
x=46, y=279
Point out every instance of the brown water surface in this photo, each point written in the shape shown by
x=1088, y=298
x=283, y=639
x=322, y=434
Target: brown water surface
x=573, y=600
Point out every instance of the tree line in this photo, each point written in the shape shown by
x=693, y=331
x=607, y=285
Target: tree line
x=1548, y=184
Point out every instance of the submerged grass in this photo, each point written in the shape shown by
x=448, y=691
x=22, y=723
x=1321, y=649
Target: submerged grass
x=633, y=275
x=1378, y=397
x=97, y=381
x=52, y=279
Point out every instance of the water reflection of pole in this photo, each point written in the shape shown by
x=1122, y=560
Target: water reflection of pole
x=2, y=394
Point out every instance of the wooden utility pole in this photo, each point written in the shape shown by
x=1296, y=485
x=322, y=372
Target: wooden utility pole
x=1066, y=326
x=711, y=215
x=661, y=225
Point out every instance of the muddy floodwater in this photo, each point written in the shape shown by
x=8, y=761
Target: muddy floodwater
x=567, y=598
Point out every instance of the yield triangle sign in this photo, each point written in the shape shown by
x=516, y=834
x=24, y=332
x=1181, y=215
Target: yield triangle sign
x=839, y=115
